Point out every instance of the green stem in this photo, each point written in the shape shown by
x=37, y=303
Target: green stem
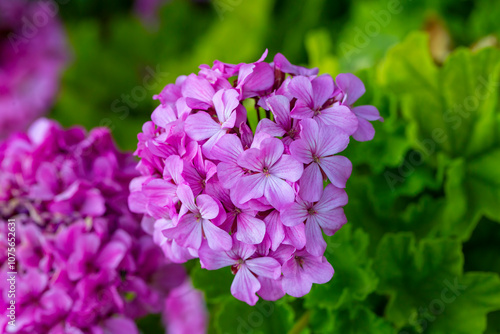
x=301, y=324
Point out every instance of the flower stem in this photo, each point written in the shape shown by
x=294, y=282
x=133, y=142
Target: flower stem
x=301, y=324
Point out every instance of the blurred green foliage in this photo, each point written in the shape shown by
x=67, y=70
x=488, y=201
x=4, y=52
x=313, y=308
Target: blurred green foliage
x=421, y=253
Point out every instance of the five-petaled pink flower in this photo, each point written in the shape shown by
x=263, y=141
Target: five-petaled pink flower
x=317, y=148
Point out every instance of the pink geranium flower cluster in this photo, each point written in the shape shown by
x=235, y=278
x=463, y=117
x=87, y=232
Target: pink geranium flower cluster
x=33, y=53
x=83, y=263
x=252, y=201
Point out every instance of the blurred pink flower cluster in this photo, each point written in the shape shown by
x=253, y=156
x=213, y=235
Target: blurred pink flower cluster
x=83, y=263
x=33, y=52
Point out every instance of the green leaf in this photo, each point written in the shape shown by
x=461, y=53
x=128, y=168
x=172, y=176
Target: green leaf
x=481, y=295
x=472, y=190
x=445, y=297
x=265, y=317
x=151, y=323
x=216, y=284
x=453, y=108
x=409, y=66
x=354, y=278
x=351, y=320
x=404, y=268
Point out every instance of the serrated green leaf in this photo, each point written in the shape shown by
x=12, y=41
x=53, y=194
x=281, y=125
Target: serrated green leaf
x=404, y=267
x=479, y=295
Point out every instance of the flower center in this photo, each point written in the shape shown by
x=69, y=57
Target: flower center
x=235, y=267
x=265, y=170
x=312, y=211
x=316, y=159
x=300, y=260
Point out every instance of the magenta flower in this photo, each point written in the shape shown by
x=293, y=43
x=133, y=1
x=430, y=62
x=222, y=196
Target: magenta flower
x=195, y=222
x=255, y=79
x=246, y=269
x=201, y=125
x=316, y=148
x=352, y=89
x=212, y=188
x=304, y=269
x=227, y=151
x=185, y=311
x=271, y=169
x=326, y=214
x=88, y=256
x=313, y=101
x=282, y=64
x=30, y=66
x=284, y=125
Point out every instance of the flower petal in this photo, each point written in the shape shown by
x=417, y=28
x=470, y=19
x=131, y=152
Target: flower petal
x=229, y=174
x=340, y=116
x=370, y=113
x=225, y=101
x=331, y=141
x=302, y=89
x=250, y=230
x=187, y=233
x=318, y=269
x=163, y=115
x=332, y=198
x=278, y=192
x=227, y=149
x=315, y=244
x=271, y=150
x=269, y=127
x=311, y=183
x=294, y=282
x=111, y=255
x=198, y=88
x=274, y=229
x=249, y=187
x=287, y=168
x=352, y=87
x=217, y=238
x=201, y=126
x=213, y=260
x=245, y=285
x=322, y=87
x=294, y=214
x=264, y=266
x=337, y=169
x=207, y=206
x=270, y=289
x=301, y=151
x=280, y=107
x=365, y=131
x=251, y=160
x=186, y=197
